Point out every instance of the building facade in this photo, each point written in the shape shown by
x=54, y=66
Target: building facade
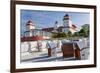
x=45, y=33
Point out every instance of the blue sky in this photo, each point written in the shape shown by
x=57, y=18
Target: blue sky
x=43, y=19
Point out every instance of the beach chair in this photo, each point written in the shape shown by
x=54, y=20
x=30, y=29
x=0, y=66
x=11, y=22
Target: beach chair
x=71, y=50
x=77, y=52
x=51, y=49
x=67, y=49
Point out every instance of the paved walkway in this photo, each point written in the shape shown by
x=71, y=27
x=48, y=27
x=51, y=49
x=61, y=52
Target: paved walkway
x=42, y=57
x=36, y=56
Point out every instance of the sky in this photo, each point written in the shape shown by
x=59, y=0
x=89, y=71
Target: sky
x=44, y=19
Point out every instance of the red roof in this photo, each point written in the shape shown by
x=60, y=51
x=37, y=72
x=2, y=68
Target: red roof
x=74, y=26
x=33, y=38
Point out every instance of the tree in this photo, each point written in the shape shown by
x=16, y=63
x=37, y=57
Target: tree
x=81, y=32
x=69, y=33
x=54, y=35
x=62, y=34
x=58, y=35
x=84, y=30
x=76, y=34
x=85, y=27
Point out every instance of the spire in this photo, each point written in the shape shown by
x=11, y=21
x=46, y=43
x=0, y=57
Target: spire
x=29, y=23
x=56, y=22
x=66, y=17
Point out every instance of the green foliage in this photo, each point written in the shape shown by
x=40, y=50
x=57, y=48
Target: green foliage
x=58, y=35
x=85, y=30
x=62, y=34
x=76, y=34
x=81, y=32
x=69, y=33
x=54, y=35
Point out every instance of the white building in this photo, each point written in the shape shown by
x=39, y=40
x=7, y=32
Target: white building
x=67, y=26
x=29, y=27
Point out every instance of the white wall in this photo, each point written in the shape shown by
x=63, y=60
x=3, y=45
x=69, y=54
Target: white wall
x=5, y=36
